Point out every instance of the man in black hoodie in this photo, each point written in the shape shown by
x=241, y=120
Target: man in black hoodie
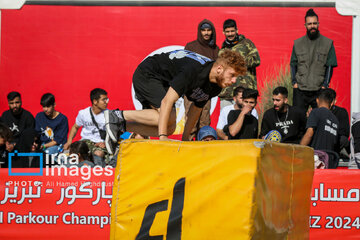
x=205, y=45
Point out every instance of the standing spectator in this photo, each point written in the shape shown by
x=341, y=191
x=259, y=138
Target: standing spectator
x=241, y=124
x=17, y=118
x=238, y=92
x=206, y=133
x=289, y=121
x=344, y=126
x=205, y=45
x=322, y=125
x=238, y=42
x=51, y=125
x=92, y=121
x=312, y=61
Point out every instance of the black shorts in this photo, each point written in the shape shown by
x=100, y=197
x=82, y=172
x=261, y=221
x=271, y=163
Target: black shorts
x=149, y=88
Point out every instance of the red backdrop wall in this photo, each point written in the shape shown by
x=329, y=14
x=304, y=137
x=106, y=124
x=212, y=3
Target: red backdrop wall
x=70, y=50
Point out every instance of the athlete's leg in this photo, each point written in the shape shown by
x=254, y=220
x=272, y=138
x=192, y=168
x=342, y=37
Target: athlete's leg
x=145, y=122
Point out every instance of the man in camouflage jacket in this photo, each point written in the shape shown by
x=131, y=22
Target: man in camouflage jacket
x=248, y=51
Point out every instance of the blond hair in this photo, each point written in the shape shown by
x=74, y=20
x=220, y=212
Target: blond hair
x=232, y=59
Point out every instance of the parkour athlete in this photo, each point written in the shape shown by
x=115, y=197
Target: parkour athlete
x=160, y=80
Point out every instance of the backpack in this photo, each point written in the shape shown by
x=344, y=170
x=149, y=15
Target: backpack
x=354, y=162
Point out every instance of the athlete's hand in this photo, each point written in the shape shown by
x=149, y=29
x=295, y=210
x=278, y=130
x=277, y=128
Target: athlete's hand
x=295, y=85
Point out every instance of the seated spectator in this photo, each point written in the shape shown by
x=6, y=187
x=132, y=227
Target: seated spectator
x=344, y=126
x=354, y=162
x=206, y=133
x=238, y=92
x=51, y=125
x=17, y=118
x=289, y=121
x=241, y=124
x=322, y=125
x=5, y=145
x=355, y=131
x=92, y=121
x=82, y=150
x=30, y=143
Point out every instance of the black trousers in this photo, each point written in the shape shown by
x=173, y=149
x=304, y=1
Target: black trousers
x=304, y=99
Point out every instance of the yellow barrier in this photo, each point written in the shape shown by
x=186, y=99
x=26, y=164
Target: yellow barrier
x=246, y=189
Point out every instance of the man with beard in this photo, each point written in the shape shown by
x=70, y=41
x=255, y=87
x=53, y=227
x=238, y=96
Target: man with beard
x=238, y=42
x=289, y=121
x=222, y=122
x=160, y=80
x=312, y=61
x=17, y=118
x=241, y=124
x=51, y=125
x=205, y=45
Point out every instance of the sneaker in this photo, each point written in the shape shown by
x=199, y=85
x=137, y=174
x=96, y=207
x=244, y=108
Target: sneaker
x=110, y=145
x=114, y=123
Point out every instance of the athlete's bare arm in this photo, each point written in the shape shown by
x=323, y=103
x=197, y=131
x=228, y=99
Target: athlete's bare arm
x=165, y=110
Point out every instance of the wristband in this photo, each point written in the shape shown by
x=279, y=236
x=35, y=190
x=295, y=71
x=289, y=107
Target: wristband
x=163, y=135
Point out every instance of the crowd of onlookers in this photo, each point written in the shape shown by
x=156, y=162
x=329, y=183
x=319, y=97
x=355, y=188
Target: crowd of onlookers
x=325, y=128
x=49, y=132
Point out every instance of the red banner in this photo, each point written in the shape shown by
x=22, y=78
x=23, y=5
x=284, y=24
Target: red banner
x=65, y=206
x=62, y=204
x=335, y=199
x=69, y=50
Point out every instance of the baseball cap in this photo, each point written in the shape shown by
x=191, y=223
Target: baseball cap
x=206, y=131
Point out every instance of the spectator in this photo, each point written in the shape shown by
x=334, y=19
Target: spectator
x=344, y=126
x=17, y=118
x=322, y=126
x=241, y=124
x=51, y=125
x=238, y=92
x=5, y=145
x=312, y=61
x=205, y=44
x=206, y=133
x=92, y=121
x=82, y=150
x=289, y=121
x=238, y=42
x=355, y=132
x=30, y=143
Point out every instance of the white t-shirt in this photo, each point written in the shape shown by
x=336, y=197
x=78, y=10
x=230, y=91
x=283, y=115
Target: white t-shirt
x=224, y=114
x=89, y=130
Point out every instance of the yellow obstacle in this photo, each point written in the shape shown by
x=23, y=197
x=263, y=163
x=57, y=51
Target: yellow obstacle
x=221, y=190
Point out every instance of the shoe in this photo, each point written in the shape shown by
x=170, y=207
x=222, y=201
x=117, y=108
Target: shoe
x=114, y=123
x=110, y=145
